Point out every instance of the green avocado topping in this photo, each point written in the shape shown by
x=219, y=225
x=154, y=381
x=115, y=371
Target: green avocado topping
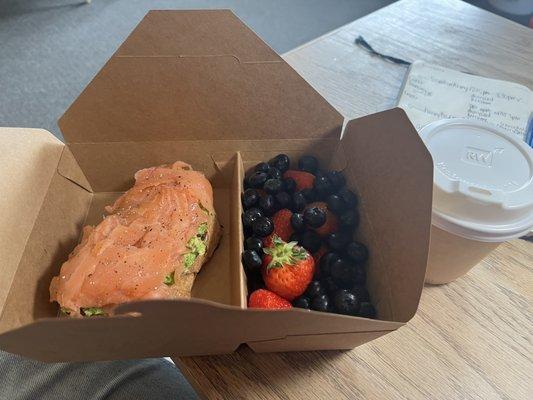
x=65, y=310
x=92, y=311
x=196, y=246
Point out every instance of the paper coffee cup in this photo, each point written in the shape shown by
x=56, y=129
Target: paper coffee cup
x=482, y=194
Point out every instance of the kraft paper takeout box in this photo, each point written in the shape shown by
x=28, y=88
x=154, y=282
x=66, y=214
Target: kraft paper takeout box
x=199, y=86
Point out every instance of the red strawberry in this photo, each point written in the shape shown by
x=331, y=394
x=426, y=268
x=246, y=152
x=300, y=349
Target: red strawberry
x=282, y=227
x=304, y=180
x=287, y=269
x=262, y=298
x=332, y=223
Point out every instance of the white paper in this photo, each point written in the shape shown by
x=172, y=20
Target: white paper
x=432, y=92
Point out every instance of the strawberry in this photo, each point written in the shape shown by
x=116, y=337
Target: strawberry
x=287, y=269
x=263, y=298
x=317, y=256
x=304, y=180
x=332, y=223
x=282, y=227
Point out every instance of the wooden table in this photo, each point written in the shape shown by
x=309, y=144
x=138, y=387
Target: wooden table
x=470, y=339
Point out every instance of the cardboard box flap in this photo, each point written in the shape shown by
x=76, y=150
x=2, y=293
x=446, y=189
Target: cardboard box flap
x=172, y=80
x=29, y=160
x=396, y=214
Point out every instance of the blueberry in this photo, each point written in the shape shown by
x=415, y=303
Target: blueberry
x=297, y=222
x=263, y=227
x=367, y=310
x=249, y=198
x=302, y=302
x=357, y=252
x=274, y=173
x=349, y=197
x=346, y=302
x=361, y=293
x=343, y=272
x=295, y=237
x=289, y=185
x=349, y=219
x=311, y=241
x=359, y=275
x=283, y=200
x=257, y=179
x=268, y=204
x=309, y=195
x=336, y=179
x=321, y=303
x=308, y=164
x=273, y=186
x=338, y=240
x=315, y=217
x=336, y=204
x=298, y=202
x=326, y=261
x=330, y=285
x=262, y=167
x=314, y=289
x=249, y=217
x=255, y=244
x=322, y=187
x=281, y=162
x=251, y=260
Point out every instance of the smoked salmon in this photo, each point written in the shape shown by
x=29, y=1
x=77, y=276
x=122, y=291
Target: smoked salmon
x=151, y=245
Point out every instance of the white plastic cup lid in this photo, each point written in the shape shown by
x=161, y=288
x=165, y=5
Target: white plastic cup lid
x=483, y=180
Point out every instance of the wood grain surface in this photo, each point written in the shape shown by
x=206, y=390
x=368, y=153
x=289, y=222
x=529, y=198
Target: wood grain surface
x=471, y=339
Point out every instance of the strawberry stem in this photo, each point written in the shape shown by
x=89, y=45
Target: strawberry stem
x=284, y=254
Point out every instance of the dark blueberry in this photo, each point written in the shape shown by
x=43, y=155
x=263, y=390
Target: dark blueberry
x=268, y=204
x=311, y=241
x=321, y=303
x=357, y=252
x=322, y=187
x=263, y=227
x=314, y=289
x=249, y=217
x=295, y=237
x=359, y=275
x=289, y=185
x=338, y=240
x=349, y=197
x=330, y=285
x=298, y=202
x=262, y=167
x=367, y=310
x=297, y=222
x=283, y=200
x=343, y=272
x=315, y=217
x=274, y=173
x=302, y=302
x=251, y=260
x=326, y=261
x=255, y=244
x=346, y=302
x=281, y=162
x=336, y=204
x=336, y=179
x=257, y=179
x=254, y=280
x=249, y=198
x=349, y=219
x=273, y=186
x=361, y=293
x=308, y=164
x=309, y=195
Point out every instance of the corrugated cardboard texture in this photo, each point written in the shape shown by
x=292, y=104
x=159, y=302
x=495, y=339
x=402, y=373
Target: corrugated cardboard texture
x=393, y=172
x=172, y=80
x=28, y=162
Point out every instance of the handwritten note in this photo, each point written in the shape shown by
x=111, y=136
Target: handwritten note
x=432, y=92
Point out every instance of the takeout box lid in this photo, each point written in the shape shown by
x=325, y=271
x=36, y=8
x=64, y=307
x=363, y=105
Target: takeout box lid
x=186, y=75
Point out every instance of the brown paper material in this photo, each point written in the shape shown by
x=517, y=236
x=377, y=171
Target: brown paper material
x=202, y=88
